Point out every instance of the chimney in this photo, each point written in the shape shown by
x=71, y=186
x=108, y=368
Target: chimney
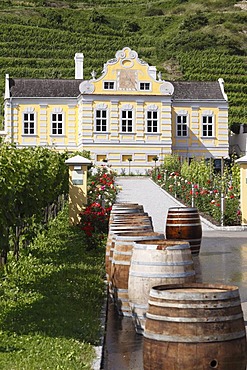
x=7, y=89
x=79, y=66
x=152, y=71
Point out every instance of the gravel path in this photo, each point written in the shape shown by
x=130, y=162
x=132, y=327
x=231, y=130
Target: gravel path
x=155, y=200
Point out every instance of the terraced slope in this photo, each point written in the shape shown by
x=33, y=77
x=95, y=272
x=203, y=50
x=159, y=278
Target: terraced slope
x=185, y=39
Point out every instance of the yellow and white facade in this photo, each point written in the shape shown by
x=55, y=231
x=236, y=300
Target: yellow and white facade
x=126, y=117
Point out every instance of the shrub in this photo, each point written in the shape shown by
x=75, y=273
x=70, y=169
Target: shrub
x=198, y=181
x=102, y=194
x=94, y=222
x=152, y=12
x=195, y=22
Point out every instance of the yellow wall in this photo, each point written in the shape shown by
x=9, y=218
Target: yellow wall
x=126, y=71
x=43, y=125
x=77, y=196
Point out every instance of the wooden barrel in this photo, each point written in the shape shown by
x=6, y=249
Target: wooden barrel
x=121, y=263
x=156, y=262
x=115, y=228
x=122, y=209
x=130, y=217
x=184, y=223
x=194, y=326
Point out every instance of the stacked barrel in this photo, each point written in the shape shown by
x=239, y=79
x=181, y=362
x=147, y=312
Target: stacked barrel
x=138, y=258
x=151, y=277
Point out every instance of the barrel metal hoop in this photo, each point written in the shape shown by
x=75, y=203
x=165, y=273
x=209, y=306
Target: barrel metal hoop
x=162, y=275
x=195, y=305
x=176, y=225
x=180, y=263
x=194, y=319
x=194, y=338
x=179, y=246
x=122, y=253
x=125, y=263
x=179, y=295
x=169, y=217
x=139, y=306
x=121, y=291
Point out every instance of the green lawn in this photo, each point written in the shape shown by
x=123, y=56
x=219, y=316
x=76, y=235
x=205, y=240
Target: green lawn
x=50, y=302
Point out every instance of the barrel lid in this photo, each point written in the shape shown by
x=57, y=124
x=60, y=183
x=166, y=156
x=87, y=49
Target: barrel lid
x=141, y=234
x=161, y=244
x=183, y=209
x=194, y=291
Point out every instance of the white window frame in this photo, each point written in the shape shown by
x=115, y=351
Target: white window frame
x=57, y=112
x=28, y=121
x=109, y=88
x=100, y=108
x=152, y=109
x=145, y=88
x=207, y=115
x=184, y=124
x=127, y=108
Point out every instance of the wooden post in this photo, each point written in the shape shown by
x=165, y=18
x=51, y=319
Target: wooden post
x=78, y=167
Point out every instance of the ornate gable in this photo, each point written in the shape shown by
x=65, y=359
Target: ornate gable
x=127, y=74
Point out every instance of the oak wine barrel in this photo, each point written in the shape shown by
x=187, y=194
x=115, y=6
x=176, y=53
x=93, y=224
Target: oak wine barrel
x=194, y=326
x=184, y=223
x=156, y=262
x=121, y=258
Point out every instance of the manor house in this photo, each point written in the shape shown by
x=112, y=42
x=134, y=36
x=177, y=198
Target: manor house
x=129, y=117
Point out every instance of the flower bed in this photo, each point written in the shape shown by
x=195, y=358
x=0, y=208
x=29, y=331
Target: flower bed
x=199, y=185
x=102, y=193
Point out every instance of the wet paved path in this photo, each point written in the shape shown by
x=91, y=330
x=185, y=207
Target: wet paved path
x=222, y=259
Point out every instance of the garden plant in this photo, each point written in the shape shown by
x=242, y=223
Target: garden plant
x=199, y=184
x=102, y=192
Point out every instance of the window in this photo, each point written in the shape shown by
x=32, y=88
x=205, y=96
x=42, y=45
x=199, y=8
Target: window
x=101, y=120
x=152, y=158
x=29, y=123
x=152, y=121
x=207, y=126
x=182, y=127
x=57, y=124
x=127, y=121
x=145, y=86
x=127, y=158
x=101, y=158
x=109, y=85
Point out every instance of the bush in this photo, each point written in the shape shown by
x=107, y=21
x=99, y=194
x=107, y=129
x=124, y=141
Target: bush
x=152, y=12
x=102, y=194
x=195, y=22
x=197, y=180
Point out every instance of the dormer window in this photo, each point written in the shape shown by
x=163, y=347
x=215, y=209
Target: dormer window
x=145, y=86
x=109, y=85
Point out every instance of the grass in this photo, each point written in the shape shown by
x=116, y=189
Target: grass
x=50, y=302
